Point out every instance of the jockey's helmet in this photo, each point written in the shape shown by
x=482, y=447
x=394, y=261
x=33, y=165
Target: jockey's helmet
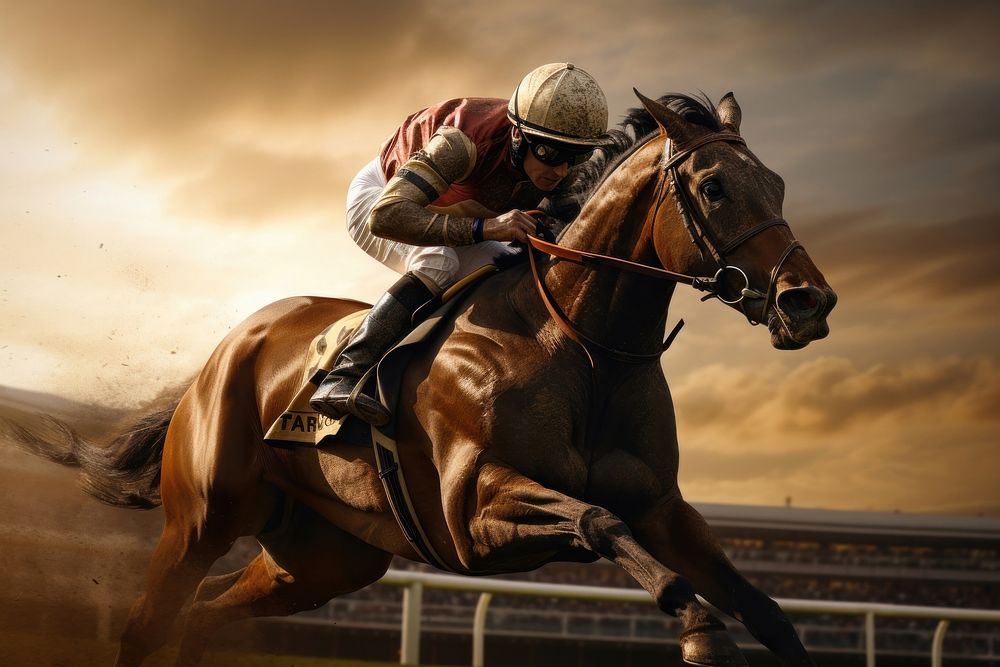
x=562, y=103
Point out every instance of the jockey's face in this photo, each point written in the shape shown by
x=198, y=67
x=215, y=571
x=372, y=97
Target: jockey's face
x=543, y=176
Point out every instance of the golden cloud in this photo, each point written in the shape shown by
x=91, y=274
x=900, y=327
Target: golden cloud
x=830, y=395
x=246, y=185
x=918, y=434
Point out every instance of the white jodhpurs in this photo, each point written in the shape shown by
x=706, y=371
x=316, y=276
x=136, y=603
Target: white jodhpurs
x=439, y=264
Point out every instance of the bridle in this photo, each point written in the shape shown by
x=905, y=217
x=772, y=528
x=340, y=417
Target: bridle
x=703, y=238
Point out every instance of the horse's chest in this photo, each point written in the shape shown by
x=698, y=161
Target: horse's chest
x=535, y=431
x=625, y=483
x=619, y=452
x=534, y=412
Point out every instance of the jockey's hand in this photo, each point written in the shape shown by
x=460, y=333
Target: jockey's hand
x=511, y=226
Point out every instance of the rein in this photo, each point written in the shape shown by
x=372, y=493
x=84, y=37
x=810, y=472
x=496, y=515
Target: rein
x=702, y=237
x=585, y=259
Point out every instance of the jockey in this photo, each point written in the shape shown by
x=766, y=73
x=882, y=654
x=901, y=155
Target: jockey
x=446, y=195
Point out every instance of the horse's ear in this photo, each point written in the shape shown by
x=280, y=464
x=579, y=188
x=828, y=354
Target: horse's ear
x=670, y=122
x=729, y=113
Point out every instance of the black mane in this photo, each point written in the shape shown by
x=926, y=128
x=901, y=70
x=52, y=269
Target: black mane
x=566, y=203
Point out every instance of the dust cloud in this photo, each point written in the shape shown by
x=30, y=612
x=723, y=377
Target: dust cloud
x=71, y=566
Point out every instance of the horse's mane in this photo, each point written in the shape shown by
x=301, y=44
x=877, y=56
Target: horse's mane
x=638, y=124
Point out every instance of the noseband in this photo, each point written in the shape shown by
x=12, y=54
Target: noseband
x=702, y=237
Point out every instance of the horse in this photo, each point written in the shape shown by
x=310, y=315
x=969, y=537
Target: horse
x=535, y=425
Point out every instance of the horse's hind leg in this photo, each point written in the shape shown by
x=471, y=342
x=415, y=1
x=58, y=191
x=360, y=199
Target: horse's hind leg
x=212, y=587
x=179, y=562
x=309, y=562
x=678, y=535
x=516, y=522
x=212, y=494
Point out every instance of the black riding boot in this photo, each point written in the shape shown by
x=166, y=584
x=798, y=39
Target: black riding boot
x=389, y=320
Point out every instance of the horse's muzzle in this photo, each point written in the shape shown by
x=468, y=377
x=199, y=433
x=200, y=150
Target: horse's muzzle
x=799, y=316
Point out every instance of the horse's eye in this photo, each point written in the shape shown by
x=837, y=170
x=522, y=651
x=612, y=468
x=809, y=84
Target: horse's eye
x=712, y=190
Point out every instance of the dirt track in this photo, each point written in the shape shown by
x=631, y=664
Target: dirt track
x=71, y=565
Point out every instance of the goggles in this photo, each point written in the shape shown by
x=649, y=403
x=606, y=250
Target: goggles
x=555, y=154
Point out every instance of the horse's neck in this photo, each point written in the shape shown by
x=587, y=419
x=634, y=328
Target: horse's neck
x=619, y=309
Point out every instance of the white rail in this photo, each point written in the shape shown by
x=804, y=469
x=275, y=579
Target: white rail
x=414, y=583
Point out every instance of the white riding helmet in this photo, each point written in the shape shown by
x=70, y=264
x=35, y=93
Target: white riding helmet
x=561, y=102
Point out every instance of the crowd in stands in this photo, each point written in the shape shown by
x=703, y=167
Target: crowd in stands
x=848, y=554
x=443, y=610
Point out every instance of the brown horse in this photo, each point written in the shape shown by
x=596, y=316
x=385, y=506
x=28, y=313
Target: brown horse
x=522, y=443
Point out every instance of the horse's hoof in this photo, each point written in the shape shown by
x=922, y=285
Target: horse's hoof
x=711, y=647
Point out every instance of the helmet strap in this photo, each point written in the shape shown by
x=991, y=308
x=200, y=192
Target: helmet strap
x=518, y=150
x=518, y=146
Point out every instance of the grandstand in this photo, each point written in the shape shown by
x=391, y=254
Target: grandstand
x=896, y=558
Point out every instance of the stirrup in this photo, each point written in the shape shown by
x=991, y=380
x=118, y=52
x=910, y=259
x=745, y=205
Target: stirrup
x=352, y=407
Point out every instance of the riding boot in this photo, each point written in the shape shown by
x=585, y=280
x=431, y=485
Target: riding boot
x=389, y=320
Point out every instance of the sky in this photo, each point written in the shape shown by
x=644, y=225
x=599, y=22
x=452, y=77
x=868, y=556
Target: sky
x=168, y=168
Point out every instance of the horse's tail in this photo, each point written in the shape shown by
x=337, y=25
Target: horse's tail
x=124, y=470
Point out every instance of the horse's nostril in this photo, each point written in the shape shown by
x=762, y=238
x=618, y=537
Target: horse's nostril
x=801, y=301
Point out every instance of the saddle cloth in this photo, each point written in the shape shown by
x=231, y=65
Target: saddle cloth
x=300, y=425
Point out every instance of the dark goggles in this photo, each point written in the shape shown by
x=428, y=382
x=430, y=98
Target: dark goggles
x=554, y=154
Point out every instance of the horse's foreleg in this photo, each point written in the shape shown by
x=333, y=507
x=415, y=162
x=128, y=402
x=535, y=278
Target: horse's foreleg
x=517, y=522
x=677, y=535
x=309, y=562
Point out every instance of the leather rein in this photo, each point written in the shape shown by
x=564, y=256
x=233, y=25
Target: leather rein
x=697, y=227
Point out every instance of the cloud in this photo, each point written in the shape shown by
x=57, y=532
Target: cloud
x=919, y=467
x=956, y=118
x=245, y=185
x=919, y=434
x=830, y=395
x=251, y=110
x=181, y=85
x=190, y=61
x=166, y=84
x=883, y=258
